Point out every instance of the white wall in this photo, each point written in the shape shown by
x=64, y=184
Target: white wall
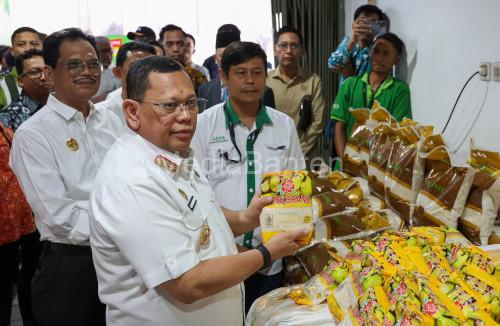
x=446, y=40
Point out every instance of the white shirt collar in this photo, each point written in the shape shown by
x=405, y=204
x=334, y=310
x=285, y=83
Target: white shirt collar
x=64, y=110
x=184, y=165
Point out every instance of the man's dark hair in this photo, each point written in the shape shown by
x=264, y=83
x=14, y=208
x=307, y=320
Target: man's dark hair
x=25, y=56
x=53, y=42
x=5, y=54
x=394, y=40
x=186, y=35
x=240, y=52
x=22, y=30
x=287, y=29
x=121, y=56
x=156, y=43
x=138, y=75
x=170, y=28
x=369, y=10
x=228, y=28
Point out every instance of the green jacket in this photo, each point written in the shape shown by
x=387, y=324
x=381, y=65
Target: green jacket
x=355, y=92
x=8, y=83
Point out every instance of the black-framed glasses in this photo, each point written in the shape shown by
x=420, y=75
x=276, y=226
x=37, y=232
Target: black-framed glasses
x=76, y=66
x=172, y=107
x=285, y=46
x=34, y=73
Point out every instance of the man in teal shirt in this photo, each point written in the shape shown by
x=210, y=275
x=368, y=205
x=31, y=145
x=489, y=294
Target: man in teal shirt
x=23, y=39
x=377, y=84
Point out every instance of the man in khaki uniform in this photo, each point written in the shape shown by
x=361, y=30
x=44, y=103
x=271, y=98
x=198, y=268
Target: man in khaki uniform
x=297, y=92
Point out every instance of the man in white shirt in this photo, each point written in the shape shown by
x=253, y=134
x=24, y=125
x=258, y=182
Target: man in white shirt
x=239, y=140
x=127, y=54
x=55, y=156
x=109, y=82
x=163, y=248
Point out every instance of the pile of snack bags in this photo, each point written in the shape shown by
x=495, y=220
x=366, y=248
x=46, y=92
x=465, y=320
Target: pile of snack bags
x=415, y=277
x=412, y=172
x=394, y=234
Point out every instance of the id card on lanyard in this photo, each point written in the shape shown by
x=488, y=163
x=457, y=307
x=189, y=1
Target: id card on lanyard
x=247, y=240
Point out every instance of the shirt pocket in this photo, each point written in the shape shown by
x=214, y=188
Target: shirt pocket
x=223, y=161
x=194, y=220
x=273, y=156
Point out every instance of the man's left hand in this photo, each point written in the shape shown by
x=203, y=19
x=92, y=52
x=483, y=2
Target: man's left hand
x=252, y=213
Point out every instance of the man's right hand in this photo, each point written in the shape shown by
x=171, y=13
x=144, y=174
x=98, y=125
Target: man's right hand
x=361, y=31
x=286, y=244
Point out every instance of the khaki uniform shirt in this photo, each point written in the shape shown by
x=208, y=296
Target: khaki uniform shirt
x=288, y=97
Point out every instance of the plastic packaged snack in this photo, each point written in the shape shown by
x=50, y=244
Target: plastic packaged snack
x=341, y=181
x=380, y=150
x=294, y=272
x=445, y=189
x=405, y=171
x=317, y=289
x=357, y=151
x=353, y=160
x=291, y=208
x=320, y=184
x=482, y=204
x=329, y=203
x=495, y=235
x=315, y=257
x=353, y=224
x=275, y=308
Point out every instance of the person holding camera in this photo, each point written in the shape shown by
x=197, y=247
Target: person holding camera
x=352, y=56
x=297, y=92
x=375, y=85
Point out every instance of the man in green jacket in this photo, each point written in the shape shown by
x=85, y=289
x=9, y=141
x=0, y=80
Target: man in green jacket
x=377, y=84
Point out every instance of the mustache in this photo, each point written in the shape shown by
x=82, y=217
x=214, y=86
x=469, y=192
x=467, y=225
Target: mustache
x=85, y=79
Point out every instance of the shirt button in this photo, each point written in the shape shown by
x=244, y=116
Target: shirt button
x=251, y=189
x=170, y=261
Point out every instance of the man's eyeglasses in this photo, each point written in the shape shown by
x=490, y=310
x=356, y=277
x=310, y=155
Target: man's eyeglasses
x=34, y=73
x=172, y=107
x=76, y=67
x=293, y=46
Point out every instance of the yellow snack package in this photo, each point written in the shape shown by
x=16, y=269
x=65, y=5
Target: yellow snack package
x=291, y=208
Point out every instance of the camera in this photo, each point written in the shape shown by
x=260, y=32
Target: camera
x=378, y=27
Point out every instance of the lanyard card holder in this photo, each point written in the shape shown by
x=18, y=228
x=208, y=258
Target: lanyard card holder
x=305, y=113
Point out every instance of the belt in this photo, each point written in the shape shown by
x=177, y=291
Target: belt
x=67, y=248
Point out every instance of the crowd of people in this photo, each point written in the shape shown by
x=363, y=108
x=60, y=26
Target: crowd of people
x=132, y=189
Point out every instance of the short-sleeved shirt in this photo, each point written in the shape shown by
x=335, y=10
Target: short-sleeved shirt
x=236, y=180
x=288, y=97
x=145, y=228
x=55, y=155
x=113, y=103
x=393, y=94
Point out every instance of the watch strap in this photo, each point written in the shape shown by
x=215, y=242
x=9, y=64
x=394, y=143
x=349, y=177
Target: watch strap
x=265, y=254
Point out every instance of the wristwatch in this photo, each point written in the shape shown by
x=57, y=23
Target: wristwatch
x=265, y=254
